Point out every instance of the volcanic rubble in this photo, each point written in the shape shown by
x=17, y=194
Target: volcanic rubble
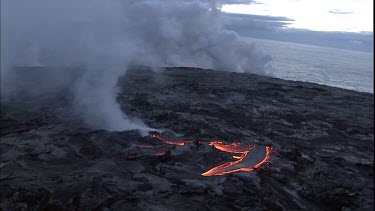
x=322, y=141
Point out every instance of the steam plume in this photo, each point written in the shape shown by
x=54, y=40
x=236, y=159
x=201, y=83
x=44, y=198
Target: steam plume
x=105, y=37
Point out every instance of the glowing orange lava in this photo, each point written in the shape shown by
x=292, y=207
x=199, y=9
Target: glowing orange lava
x=238, y=165
x=231, y=148
x=178, y=142
x=249, y=158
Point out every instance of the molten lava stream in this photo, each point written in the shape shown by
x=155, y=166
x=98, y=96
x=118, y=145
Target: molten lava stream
x=172, y=140
x=234, y=147
x=246, y=162
x=249, y=161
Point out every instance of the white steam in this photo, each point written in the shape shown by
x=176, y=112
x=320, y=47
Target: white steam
x=105, y=37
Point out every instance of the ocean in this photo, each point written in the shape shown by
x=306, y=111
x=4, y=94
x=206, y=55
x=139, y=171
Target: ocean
x=329, y=66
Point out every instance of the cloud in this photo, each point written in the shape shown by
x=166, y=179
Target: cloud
x=236, y=1
x=339, y=12
x=243, y=23
x=276, y=28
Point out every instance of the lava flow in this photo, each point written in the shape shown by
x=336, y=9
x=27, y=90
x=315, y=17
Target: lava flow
x=249, y=161
x=231, y=148
x=250, y=157
x=170, y=139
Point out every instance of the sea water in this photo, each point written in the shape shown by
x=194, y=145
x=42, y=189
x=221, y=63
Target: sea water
x=329, y=66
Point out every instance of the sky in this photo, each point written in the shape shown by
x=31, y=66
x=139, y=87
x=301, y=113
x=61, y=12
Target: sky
x=316, y=15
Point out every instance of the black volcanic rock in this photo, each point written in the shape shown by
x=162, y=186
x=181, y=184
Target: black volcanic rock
x=324, y=139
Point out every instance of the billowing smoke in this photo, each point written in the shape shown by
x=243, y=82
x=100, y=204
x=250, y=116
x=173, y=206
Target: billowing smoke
x=104, y=38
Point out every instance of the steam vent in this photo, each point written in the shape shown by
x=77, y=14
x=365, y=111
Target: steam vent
x=217, y=141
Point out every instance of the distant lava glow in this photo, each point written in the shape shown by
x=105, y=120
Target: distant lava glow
x=248, y=157
x=171, y=141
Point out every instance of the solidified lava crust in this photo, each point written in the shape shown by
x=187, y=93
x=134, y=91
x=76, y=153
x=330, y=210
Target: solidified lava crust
x=324, y=139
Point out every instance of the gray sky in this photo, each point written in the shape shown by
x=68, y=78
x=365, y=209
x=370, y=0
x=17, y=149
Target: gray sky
x=334, y=23
x=317, y=15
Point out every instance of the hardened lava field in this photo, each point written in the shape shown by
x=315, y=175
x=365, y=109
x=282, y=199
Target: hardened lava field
x=321, y=140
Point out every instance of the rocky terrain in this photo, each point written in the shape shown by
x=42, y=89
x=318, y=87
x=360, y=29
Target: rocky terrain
x=323, y=139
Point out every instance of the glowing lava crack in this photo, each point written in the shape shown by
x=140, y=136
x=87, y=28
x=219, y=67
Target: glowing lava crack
x=249, y=158
x=248, y=161
x=169, y=138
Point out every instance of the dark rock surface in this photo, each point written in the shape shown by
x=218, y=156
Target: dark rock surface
x=323, y=136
